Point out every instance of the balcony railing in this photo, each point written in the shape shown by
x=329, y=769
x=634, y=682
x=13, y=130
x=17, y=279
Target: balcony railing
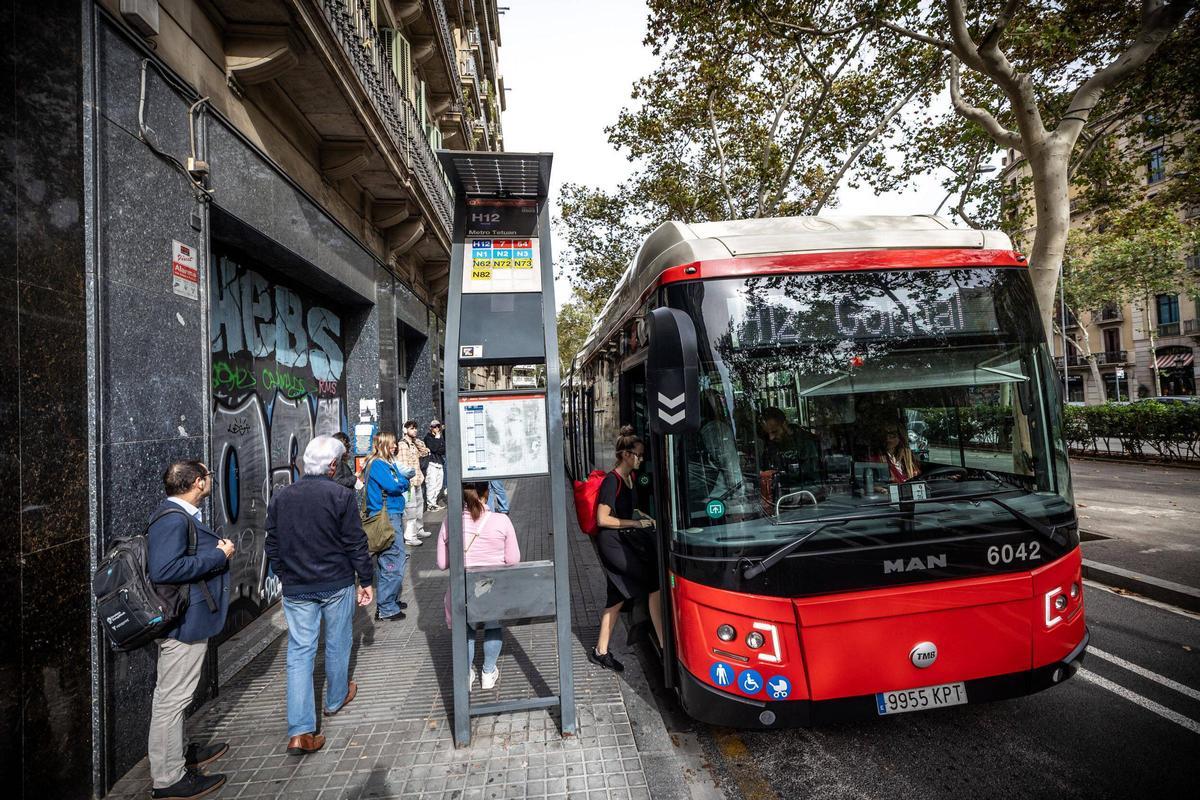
x=1108, y=314
x=443, y=29
x=1168, y=329
x=1105, y=359
x=1191, y=326
x=353, y=29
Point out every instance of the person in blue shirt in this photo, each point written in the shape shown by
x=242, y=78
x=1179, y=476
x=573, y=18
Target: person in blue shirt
x=386, y=485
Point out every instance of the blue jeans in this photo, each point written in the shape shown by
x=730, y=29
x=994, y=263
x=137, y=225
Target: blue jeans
x=304, y=619
x=497, y=497
x=389, y=576
x=492, y=642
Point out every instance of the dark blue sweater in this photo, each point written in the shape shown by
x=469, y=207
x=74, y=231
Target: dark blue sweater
x=315, y=540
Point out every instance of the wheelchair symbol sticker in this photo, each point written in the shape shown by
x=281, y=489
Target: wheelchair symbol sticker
x=750, y=682
x=779, y=688
x=722, y=674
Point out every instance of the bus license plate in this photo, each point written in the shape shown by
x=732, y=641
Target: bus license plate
x=905, y=700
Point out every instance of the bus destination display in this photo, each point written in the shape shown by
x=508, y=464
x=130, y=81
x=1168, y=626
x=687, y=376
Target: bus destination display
x=771, y=318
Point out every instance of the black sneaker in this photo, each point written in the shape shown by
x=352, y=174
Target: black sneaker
x=198, y=755
x=191, y=786
x=606, y=661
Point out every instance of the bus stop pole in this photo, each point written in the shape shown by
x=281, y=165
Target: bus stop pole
x=454, y=482
x=558, y=477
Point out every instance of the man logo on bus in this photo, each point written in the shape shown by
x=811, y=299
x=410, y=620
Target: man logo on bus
x=914, y=564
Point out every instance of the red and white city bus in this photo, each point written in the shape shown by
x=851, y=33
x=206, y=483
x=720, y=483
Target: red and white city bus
x=869, y=510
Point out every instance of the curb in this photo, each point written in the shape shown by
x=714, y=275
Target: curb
x=1164, y=591
x=1136, y=462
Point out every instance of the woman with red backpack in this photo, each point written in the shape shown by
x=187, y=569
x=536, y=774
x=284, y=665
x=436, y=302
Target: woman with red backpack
x=625, y=542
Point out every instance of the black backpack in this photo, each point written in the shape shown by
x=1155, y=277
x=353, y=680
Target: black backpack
x=133, y=610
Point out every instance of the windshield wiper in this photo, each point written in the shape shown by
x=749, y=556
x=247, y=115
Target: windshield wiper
x=1048, y=532
x=752, y=569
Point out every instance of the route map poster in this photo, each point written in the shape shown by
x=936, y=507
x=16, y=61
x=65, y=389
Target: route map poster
x=503, y=436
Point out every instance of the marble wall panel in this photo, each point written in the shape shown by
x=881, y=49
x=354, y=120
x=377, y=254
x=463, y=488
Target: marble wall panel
x=147, y=204
x=155, y=384
x=53, y=417
x=133, y=480
x=10, y=532
x=57, y=726
x=165, y=113
x=49, y=172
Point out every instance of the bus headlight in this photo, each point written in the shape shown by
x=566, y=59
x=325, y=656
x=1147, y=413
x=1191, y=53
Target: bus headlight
x=1060, y=603
x=1074, y=590
x=726, y=633
x=754, y=640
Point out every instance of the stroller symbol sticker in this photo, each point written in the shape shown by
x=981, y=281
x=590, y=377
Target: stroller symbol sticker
x=721, y=673
x=779, y=687
x=750, y=682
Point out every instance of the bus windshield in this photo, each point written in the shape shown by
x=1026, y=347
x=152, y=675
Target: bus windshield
x=832, y=394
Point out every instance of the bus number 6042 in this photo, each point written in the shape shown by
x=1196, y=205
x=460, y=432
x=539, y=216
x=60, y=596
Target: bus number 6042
x=1007, y=554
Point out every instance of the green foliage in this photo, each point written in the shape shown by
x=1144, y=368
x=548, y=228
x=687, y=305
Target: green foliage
x=1169, y=430
x=574, y=321
x=974, y=425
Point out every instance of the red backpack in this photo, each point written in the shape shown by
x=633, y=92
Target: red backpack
x=587, y=497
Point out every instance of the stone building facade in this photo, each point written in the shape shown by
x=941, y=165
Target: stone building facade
x=225, y=231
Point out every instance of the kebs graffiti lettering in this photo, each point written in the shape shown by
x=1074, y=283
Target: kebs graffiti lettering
x=278, y=358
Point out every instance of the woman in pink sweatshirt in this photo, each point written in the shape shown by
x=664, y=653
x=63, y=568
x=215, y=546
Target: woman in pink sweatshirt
x=488, y=541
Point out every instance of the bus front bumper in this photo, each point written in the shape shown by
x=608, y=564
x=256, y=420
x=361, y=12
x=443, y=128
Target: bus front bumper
x=706, y=704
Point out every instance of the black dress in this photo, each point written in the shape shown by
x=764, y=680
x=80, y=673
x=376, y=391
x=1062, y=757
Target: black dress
x=628, y=555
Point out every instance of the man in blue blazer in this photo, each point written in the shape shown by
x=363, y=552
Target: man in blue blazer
x=205, y=571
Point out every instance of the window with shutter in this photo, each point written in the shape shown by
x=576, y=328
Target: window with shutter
x=387, y=48
x=421, y=117
x=403, y=66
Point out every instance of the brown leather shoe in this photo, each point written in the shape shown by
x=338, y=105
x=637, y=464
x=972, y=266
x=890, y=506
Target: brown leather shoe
x=305, y=743
x=350, y=693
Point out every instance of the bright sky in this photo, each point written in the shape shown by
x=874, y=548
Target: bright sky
x=570, y=66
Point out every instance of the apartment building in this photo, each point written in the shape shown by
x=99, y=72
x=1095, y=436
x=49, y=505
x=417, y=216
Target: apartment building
x=226, y=231
x=1130, y=341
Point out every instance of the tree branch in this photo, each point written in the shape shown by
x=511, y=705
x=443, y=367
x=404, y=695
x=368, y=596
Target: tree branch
x=941, y=44
x=980, y=116
x=1158, y=20
x=874, y=134
x=712, y=121
x=991, y=37
x=817, y=105
x=779, y=112
x=805, y=29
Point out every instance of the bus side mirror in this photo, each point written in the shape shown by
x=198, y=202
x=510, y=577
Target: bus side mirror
x=672, y=372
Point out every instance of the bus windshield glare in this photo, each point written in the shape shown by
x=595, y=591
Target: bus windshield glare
x=840, y=394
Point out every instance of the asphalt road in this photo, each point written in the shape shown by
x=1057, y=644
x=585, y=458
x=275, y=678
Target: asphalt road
x=1126, y=726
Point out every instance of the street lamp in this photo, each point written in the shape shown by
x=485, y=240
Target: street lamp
x=978, y=171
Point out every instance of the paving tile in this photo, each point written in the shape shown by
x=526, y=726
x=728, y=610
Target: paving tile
x=396, y=740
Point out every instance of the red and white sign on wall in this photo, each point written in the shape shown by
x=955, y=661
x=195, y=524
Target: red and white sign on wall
x=185, y=277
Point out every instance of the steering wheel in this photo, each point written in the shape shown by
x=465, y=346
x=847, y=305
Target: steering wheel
x=945, y=472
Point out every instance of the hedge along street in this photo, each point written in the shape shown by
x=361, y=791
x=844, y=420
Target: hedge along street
x=1168, y=431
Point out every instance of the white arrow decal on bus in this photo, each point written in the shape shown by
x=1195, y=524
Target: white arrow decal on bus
x=671, y=402
x=671, y=419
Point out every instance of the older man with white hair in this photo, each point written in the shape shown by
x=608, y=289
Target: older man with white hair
x=317, y=547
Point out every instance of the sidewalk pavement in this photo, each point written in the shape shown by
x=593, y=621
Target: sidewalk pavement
x=395, y=739
x=1141, y=528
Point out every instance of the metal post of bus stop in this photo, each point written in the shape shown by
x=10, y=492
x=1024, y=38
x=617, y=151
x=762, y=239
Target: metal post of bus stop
x=501, y=311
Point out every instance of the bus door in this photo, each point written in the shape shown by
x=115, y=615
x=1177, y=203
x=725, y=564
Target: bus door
x=635, y=411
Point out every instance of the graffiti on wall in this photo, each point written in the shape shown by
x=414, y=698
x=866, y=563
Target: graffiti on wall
x=278, y=360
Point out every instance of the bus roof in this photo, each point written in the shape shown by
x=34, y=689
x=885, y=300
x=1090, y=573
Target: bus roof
x=674, y=243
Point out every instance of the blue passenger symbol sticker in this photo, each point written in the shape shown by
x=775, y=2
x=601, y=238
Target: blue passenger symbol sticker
x=722, y=674
x=779, y=687
x=750, y=682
